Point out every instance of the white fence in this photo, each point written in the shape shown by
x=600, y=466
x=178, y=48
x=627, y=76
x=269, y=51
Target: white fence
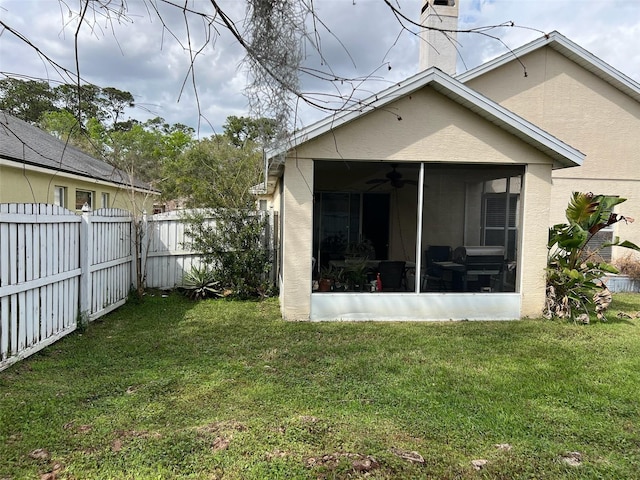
x=167, y=257
x=39, y=277
x=57, y=268
x=107, y=258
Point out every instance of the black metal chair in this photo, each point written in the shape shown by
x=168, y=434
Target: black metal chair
x=434, y=274
x=392, y=275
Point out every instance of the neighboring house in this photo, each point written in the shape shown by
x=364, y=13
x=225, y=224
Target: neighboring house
x=486, y=158
x=36, y=167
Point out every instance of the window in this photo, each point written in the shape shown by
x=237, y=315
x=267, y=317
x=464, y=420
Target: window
x=343, y=218
x=82, y=197
x=495, y=221
x=105, y=200
x=60, y=196
x=595, y=243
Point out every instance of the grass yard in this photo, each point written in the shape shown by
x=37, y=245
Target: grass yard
x=217, y=389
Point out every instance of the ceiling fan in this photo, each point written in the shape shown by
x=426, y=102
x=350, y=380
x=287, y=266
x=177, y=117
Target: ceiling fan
x=393, y=178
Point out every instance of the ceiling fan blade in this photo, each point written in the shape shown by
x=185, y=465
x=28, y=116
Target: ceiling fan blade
x=377, y=185
x=377, y=181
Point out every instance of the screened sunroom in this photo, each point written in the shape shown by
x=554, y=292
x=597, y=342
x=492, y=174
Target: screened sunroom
x=418, y=225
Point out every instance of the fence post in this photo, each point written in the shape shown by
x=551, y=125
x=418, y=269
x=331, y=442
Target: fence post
x=85, y=261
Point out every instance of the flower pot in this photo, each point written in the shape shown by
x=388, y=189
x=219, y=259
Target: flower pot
x=324, y=285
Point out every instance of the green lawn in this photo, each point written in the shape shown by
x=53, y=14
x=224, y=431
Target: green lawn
x=218, y=389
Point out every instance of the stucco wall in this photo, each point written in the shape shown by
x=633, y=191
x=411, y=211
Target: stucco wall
x=533, y=244
x=297, y=239
x=37, y=186
x=584, y=111
x=432, y=128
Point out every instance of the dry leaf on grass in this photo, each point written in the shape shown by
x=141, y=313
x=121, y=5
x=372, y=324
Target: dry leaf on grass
x=414, y=457
x=572, y=458
x=220, y=443
x=52, y=475
x=503, y=446
x=39, y=454
x=479, y=463
x=365, y=464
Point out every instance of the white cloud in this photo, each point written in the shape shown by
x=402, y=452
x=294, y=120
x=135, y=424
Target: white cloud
x=358, y=37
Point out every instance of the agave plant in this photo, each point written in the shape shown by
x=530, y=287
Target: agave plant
x=574, y=272
x=199, y=283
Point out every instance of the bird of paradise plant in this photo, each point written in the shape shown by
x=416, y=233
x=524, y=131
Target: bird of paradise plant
x=574, y=271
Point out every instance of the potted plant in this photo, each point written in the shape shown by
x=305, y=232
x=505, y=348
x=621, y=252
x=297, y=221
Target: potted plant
x=355, y=273
x=328, y=276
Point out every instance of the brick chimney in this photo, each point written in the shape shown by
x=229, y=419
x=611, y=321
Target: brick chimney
x=438, y=49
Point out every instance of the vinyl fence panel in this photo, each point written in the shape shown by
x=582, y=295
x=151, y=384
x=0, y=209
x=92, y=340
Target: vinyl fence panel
x=106, y=280
x=39, y=277
x=168, y=256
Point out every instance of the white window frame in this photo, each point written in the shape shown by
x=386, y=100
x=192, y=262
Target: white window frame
x=104, y=200
x=60, y=196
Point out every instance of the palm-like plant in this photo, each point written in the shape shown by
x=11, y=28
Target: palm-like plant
x=199, y=283
x=574, y=272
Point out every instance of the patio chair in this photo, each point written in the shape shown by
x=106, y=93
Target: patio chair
x=392, y=275
x=434, y=274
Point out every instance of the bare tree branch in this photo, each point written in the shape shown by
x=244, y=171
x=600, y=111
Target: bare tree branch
x=274, y=36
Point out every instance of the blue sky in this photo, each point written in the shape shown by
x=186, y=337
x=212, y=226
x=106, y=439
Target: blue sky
x=139, y=56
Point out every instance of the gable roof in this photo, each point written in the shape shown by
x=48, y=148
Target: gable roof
x=570, y=50
x=563, y=154
x=26, y=144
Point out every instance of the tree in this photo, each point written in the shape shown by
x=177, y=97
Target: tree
x=234, y=245
x=242, y=130
x=574, y=272
x=65, y=126
x=83, y=102
x=26, y=99
x=142, y=148
x=275, y=35
x=214, y=173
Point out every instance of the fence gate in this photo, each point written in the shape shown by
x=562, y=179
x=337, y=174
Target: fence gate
x=39, y=277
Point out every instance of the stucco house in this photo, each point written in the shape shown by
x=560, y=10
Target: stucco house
x=36, y=167
x=485, y=158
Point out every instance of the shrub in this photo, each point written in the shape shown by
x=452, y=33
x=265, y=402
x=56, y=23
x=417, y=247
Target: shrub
x=574, y=288
x=200, y=283
x=629, y=265
x=235, y=247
